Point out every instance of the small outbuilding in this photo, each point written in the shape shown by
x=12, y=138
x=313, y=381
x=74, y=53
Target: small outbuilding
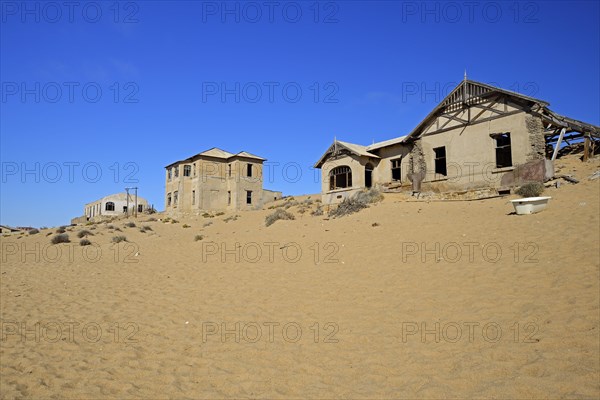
x=115, y=205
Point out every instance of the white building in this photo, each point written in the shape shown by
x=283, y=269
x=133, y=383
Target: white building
x=114, y=205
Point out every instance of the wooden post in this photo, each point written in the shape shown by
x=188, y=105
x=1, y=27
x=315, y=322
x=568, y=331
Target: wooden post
x=586, y=148
x=560, y=138
x=136, y=203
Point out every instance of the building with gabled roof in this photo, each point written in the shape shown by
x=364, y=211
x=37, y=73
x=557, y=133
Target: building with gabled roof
x=479, y=136
x=216, y=179
x=5, y=229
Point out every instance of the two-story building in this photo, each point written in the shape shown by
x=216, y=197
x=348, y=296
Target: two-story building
x=216, y=180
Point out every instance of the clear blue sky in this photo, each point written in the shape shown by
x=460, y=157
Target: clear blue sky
x=367, y=71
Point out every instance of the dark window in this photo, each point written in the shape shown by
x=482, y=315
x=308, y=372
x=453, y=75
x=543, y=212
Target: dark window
x=248, y=196
x=369, y=175
x=169, y=174
x=229, y=198
x=440, y=160
x=140, y=208
x=194, y=169
x=124, y=209
x=249, y=170
x=168, y=199
x=193, y=197
x=187, y=170
x=229, y=170
x=175, y=198
x=110, y=206
x=340, y=177
x=503, y=152
x=396, y=171
x=176, y=171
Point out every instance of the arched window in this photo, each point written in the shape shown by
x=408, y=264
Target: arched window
x=110, y=206
x=340, y=177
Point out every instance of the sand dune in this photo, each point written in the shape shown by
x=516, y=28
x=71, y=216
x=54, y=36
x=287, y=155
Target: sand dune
x=437, y=300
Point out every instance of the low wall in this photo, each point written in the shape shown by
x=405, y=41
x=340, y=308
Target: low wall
x=270, y=195
x=339, y=195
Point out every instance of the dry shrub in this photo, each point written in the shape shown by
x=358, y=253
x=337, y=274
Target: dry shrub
x=84, y=233
x=356, y=203
x=317, y=212
x=60, y=238
x=277, y=215
x=532, y=189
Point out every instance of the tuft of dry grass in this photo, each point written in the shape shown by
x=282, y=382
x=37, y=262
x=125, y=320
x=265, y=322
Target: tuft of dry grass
x=119, y=239
x=532, y=189
x=317, y=211
x=84, y=233
x=279, y=214
x=60, y=238
x=356, y=203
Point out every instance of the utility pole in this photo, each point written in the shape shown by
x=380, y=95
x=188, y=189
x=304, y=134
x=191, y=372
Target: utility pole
x=127, y=199
x=136, y=206
x=135, y=203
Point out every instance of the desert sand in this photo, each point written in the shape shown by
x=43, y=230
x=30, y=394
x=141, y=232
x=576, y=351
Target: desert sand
x=508, y=304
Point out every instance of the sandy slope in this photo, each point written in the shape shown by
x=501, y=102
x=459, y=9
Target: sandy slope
x=371, y=290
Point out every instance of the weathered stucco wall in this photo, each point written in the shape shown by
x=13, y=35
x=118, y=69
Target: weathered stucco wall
x=356, y=164
x=383, y=171
x=471, y=153
x=214, y=185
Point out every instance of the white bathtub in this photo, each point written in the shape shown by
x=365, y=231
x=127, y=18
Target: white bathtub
x=530, y=205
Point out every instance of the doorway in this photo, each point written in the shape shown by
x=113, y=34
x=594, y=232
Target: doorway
x=368, y=175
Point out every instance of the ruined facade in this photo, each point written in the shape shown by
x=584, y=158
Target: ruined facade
x=475, y=138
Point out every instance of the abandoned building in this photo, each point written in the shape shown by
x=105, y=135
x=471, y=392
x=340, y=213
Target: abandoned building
x=216, y=180
x=113, y=205
x=4, y=229
x=479, y=136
